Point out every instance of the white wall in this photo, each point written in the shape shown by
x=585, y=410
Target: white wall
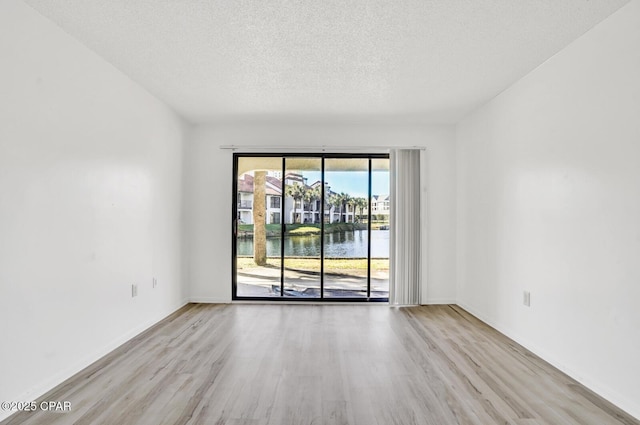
x=549, y=202
x=90, y=202
x=208, y=194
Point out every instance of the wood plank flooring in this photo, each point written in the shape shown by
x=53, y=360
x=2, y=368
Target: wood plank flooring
x=248, y=364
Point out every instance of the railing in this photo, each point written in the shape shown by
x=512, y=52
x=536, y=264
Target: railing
x=245, y=205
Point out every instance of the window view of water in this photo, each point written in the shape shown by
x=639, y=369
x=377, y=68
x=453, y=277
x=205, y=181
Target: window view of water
x=351, y=244
x=349, y=194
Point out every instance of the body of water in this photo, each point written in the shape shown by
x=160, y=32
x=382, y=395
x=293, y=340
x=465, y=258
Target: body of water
x=338, y=244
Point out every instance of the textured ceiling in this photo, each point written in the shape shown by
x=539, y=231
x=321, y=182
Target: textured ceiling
x=433, y=60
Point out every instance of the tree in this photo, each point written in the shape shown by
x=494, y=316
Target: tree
x=342, y=199
x=310, y=196
x=361, y=204
x=335, y=200
x=259, y=219
x=346, y=201
x=296, y=192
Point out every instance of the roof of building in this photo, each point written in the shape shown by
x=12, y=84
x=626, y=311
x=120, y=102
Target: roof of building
x=273, y=186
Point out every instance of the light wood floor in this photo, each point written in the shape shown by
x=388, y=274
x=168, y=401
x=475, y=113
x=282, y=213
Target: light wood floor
x=323, y=364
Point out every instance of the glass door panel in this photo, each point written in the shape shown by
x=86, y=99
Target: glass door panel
x=258, y=226
x=346, y=236
x=380, y=208
x=303, y=228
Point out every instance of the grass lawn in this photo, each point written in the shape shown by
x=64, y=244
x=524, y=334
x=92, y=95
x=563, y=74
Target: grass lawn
x=305, y=230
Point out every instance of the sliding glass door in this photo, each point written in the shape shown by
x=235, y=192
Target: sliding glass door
x=309, y=227
x=302, y=229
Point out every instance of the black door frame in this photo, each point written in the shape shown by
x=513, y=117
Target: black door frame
x=234, y=227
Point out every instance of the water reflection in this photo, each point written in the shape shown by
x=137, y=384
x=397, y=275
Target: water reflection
x=339, y=244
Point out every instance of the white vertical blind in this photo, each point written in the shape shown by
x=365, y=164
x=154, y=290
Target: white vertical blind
x=405, y=274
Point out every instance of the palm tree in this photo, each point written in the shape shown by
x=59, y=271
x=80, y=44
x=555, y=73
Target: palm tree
x=334, y=200
x=296, y=191
x=361, y=204
x=343, y=199
x=311, y=195
x=349, y=202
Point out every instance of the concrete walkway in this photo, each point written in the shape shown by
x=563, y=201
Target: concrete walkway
x=265, y=282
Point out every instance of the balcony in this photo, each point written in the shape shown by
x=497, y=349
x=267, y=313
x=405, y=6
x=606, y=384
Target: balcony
x=245, y=205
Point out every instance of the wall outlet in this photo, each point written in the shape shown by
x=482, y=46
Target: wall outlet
x=155, y=283
x=134, y=290
x=526, y=299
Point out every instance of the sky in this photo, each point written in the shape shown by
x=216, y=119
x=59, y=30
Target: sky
x=354, y=183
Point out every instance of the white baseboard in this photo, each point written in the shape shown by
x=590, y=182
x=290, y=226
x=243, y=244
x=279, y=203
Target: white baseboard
x=629, y=406
x=438, y=301
x=48, y=384
x=209, y=300
x=215, y=300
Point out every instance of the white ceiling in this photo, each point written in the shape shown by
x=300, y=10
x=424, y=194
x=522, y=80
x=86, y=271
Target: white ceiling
x=434, y=60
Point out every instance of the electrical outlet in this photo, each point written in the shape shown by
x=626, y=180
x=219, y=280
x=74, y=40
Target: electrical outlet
x=155, y=282
x=527, y=298
x=134, y=290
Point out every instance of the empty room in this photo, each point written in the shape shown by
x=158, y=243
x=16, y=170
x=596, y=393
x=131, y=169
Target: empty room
x=305, y=212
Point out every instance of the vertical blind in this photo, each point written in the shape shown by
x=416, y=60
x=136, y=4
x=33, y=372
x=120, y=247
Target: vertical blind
x=405, y=274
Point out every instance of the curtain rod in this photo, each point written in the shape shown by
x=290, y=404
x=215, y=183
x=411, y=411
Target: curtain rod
x=321, y=148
